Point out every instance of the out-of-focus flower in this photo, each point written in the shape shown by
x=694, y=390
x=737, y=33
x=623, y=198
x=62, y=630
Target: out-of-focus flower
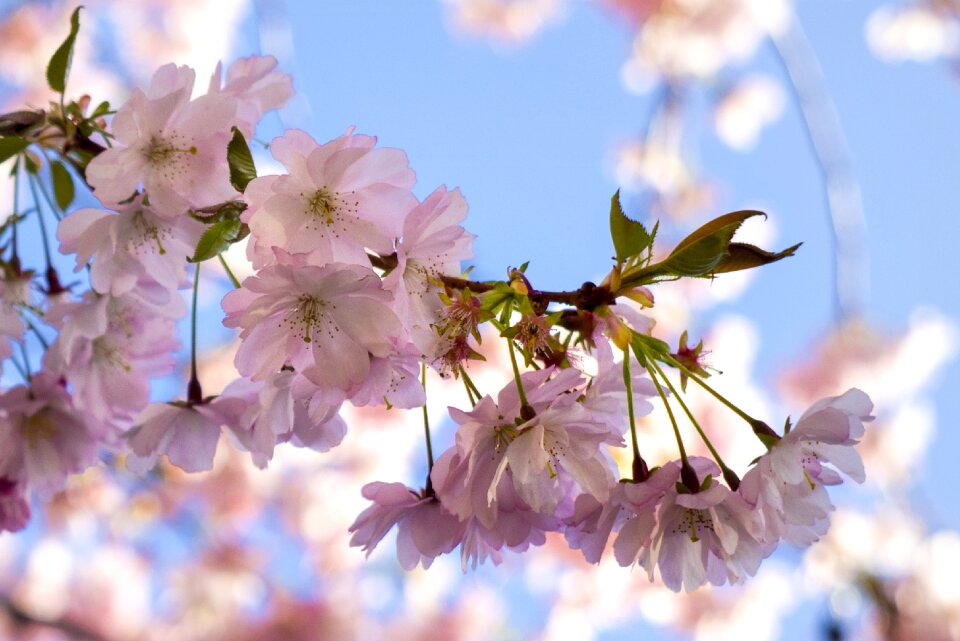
x=513, y=21
x=921, y=32
x=695, y=39
x=743, y=111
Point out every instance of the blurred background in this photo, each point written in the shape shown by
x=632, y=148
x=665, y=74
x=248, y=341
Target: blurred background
x=838, y=119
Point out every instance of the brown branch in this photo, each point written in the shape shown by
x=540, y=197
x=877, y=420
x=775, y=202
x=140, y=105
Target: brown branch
x=588, y=297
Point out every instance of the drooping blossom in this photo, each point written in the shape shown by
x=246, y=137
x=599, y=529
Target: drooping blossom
x=788, y=482
x=477, y=465
x=280, y=408
x=257, y=88
x=135, y=252
x=425, y=529
x=43, y=437
x=108, y=349
x=631, y=510
x=338, y=199
x=433, y=245
x=326, y=322
x=186, y=433
x=172, y=146
x=711, y=536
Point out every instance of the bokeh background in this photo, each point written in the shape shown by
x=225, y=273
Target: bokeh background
x=838, y=119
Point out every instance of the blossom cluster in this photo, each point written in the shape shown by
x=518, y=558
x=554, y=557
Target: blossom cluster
x=357, y=291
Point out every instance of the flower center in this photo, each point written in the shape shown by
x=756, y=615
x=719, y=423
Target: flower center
x=694, y=523
x=162, y=155
x=146, y=234
x=329, y=209
x=310, y=315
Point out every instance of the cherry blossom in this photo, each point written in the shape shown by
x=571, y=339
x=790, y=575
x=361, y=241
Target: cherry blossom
x=424, y=528
x=337, y=199
x=787, y=484
x=107, y=350
x=44, y=437
x=135, y=251
x=172, y=146
x=186, y=433
x=256, y=87
x=326, y=322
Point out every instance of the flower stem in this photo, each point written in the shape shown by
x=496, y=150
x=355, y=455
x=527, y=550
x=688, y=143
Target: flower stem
x=640, y=469
x=673, y=419
x=728, y=474
x=426, y=430
x=43, y=225
x=194, y=391
x=230, y=275
x=472, y=394
x=759, y=427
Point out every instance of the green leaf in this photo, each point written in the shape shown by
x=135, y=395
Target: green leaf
x=63, y=189
x=493, y=299
x=701, y=252
x=216, y=239
x=744, y=256
x=242, y=169
x=630, y=237
x=649, y=345
x=720, y=224
x=10, y=146
x=59, y=67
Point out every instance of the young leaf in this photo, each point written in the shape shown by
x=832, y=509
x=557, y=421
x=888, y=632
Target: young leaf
x=59, y=67
x=745, y=256
x=10, y=146
x=63, y=189
x=242, y=169
x=727, y=224
x=701, y=252
x=629, y=237
x=216, y=239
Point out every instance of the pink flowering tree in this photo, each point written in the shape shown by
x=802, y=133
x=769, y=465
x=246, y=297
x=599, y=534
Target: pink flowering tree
x=348, y=294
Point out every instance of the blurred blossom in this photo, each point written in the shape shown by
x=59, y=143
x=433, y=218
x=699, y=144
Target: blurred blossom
x=509, y=21
x=145, y=35
x=920, y=32
x=695, y=39
x=754, y=102
x=649, y=166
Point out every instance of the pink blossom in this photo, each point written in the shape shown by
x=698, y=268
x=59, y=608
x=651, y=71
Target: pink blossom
x=477, y=466
x=256, y=87
x=630, y=510
x=425, y=529
x=283, y=407
x=135, y=251
x=107, y=350
x=563, y=441
x=712, y=536
x=507, y=523
x=433, y=245
x=326, y=322
x=187, y=433
x=172, y=146
x=43, y=437
x=14, y=295
x=787, y=484
x=393, y=380
x=14, y=507
x=338, y=199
